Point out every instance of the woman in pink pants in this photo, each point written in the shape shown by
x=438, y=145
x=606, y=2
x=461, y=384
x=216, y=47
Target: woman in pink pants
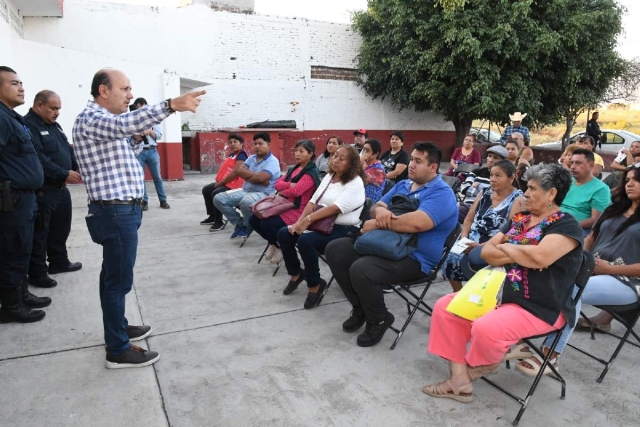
x=541, y=250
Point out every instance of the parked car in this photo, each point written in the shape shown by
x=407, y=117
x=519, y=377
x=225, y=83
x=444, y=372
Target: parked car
x=612, y=142
x=485, y=135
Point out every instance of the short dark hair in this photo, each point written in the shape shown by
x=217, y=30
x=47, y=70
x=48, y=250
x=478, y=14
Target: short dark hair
x=433, y=151
x=99, y=79
x=326, y=152
x=262, y=135
x=5, y=69
x=376, y=146
x=236, y=137
x=586, y=153
x=140, y=101
x=398, y=134
x=44, y=96
x=588, y=139
x=308, y=145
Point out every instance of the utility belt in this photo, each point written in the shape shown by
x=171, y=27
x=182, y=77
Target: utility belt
x=150, y=147
x=9, y=197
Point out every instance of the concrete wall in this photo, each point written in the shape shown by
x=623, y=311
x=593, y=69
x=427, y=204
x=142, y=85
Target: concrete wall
x=258, y=67
x=11, y=26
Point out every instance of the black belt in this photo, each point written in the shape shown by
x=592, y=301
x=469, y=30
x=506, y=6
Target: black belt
x=116, y=202
x=52, y=186
x=151, y=147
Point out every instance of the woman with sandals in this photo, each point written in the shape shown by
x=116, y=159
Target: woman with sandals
x=541, y=250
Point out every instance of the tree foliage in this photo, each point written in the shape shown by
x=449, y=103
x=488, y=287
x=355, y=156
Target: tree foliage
x=487, y=58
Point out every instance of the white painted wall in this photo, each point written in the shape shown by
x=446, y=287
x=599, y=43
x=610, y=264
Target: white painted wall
x=258, y=66
x=11, y=26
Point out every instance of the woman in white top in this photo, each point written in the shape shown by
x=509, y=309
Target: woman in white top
x=341, y=192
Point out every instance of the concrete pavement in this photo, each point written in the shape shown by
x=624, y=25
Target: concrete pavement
x=236, y=352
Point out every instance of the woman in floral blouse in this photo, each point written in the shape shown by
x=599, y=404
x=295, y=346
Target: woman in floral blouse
x=541, y=250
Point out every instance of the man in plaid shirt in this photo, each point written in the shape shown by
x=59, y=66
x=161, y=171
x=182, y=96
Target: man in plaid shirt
x=516, y=126
x=115, y=184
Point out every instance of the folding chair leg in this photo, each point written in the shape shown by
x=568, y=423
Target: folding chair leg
x=326, y=289
x=263, y=255
x=615, y=355
x=416, y=306
x=245, y=239
x=277, y=268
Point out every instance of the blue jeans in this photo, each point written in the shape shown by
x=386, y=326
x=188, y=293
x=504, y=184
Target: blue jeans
x=600, y=290
x=309, y=245
x=115, y=227
x=151, y=159
x=228, y=201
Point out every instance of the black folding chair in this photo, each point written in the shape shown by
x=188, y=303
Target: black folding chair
x=263, y=255
x=628, y=315
x=364, y=215
x=403, y=289
x=586, y=269
x=455, y=184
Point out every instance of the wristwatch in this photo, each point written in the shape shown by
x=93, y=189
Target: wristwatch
x=167, y=104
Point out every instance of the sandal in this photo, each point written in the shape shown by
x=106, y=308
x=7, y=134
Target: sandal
x=536, y=364
x=518, y=353
x=482, y=371
x=455, y=393
x=583, y=325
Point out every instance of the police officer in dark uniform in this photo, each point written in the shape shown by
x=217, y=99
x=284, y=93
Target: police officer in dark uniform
x=20, y=175
x=53, y=221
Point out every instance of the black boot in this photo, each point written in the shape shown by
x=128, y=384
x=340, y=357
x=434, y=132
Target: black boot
x=14, y=310
x=32, y=301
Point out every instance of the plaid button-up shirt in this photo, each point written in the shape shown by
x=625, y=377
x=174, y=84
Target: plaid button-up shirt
x=106, y=158
x=510, y=130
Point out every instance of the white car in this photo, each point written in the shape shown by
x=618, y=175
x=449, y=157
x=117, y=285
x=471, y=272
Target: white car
x=481, y=135
x=612, y=142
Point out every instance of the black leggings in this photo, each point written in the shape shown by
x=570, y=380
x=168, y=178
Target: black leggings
x=209, y=192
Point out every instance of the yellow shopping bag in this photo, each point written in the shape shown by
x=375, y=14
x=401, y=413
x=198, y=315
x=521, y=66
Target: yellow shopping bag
x=480, y=295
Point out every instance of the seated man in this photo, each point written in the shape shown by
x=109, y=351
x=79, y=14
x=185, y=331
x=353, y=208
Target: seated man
x=260, y=172
x=478, y=180
x=362, y=277
x=588, y=196
x=588, y=143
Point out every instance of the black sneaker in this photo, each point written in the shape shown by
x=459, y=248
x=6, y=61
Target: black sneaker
x=144, y=205
x=135, y=357
x=374, y=332
x=207, y=221
x=42, y=282
x=313, y=300
x=137, y=333
x=165, y=205
x=293, y=284
x=216, y=226
x=355, y=320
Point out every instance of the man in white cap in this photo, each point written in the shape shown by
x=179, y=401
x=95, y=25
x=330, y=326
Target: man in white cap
x=516, y=126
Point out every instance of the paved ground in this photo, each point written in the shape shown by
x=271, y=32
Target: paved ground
x=236, y=352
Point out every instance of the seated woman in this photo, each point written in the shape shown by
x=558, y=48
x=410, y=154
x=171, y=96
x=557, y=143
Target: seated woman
x=619, y=165
x=512, y=147
x=340, y=193
x=525, y=154
x=297, y=186
x=374, y=174
x=616, y=276
x=396, y=160
x=465, y=154
x=488, y=214
x=226, y=179
x=565, y=158
x=541, y=249
x=322, y=162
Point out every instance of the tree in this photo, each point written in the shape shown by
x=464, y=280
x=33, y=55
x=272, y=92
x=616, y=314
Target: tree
x=485, y=58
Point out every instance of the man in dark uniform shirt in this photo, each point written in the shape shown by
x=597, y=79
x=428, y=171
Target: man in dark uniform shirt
x=53, y=222
x=20, y=175
x=593, y=129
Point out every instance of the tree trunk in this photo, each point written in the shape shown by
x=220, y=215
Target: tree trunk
x=462, y=126
x=570, y=120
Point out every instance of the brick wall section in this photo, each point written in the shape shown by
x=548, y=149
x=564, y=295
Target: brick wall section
x=331, y=73
x=211, y=146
